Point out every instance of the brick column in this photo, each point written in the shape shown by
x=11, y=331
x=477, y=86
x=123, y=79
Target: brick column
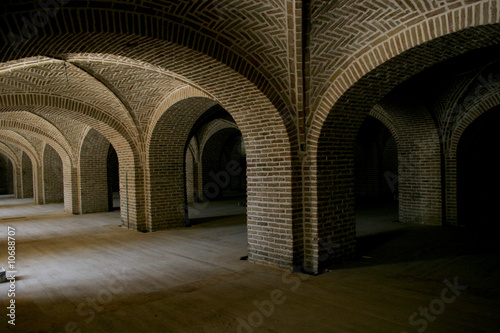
x=94, y=173
x=53, y=185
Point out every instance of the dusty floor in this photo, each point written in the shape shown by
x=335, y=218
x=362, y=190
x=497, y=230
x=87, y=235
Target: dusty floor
x=86, y=274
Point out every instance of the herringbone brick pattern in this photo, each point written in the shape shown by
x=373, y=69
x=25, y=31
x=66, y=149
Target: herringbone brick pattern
x=297, y=77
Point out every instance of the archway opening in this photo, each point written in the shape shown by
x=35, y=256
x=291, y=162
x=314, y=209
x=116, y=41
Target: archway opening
x=223, y=152
x=6, y=176
x=52, y=176
x=375, y=178
x=478, y=179
x=113, y=180
x=215, y=169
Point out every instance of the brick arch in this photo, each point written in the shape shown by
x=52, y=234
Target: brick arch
x=211, y=128
x=118, y=137
x=8, y=137
x=74, y=87
x=7, y=151
x=480, y=105
x=173, y=98
x=330, y=142
x=173, y=21
x=121, y=138
x=29, y=154
x=431, y=24
x=66, y=107
x=380, y=113
x=30, y=131
x=476, y=109
x=166, y=155
x=28, y=122
x=248, y=96
x=264, y=126
x=13, y=138
x=187, y=62
x=30, y=125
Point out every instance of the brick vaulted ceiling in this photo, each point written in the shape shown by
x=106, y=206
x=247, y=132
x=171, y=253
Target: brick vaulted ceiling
x=113, y=64
x=297, y=77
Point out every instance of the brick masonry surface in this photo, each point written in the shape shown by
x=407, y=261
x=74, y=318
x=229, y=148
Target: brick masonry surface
x=298, y=78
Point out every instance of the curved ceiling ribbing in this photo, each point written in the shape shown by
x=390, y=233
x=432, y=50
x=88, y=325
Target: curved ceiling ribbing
x=15, y=139
x=9, y=153
x=250, y=36
x=29, y=123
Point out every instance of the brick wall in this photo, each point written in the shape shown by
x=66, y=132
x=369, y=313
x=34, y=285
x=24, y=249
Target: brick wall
x=94, y=173
x=27, y=177
x=52, y=176
x=298, y=78
x=419, y=169
x=191, y=176
x=166, y=162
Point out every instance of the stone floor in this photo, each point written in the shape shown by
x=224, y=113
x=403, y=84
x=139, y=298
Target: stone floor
x=87, y=274
x=12, y=208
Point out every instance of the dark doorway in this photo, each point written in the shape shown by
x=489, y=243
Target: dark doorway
x=113, y=180
x=6, y=175
x=478, y=177
x=375, y=182
x=375, y=164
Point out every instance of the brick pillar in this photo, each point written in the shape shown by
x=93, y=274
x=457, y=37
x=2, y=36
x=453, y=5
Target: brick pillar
x=38, y=192
x=167, y=201
x=450, y=165
x=18, y=181
x=419, y=161
x=419, y=168
x=132, y=193
x=27, y=177
x=94, y=173
x=190, y=176
x=53, y=185
x=71, y=190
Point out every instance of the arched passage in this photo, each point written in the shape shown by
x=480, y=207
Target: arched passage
x=194, y=65
x=166, y=162
x=9, y=152
x=220, y=151
x=478, y=179
x=216, y=163
x=6, y=175
x=375, y=159
x=334, y=156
